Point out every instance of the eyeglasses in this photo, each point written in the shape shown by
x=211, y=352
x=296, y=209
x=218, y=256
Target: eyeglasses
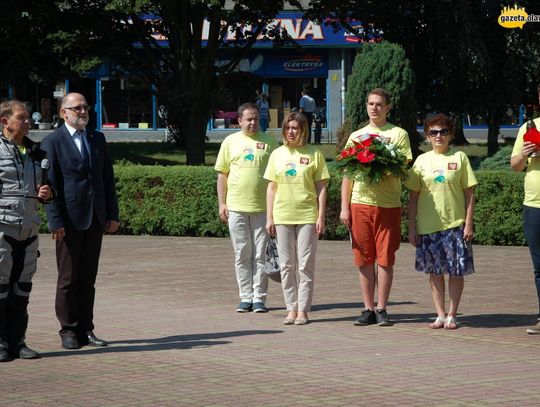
x=442, y=132
x=79, y=109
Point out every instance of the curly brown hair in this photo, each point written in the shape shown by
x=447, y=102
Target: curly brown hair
x=442, y=121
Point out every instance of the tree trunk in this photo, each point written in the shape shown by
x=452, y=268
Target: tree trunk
x=493, y=131
x=194, y=130
x=459, y=137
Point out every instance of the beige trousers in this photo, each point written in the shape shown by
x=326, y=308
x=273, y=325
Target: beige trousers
x=296, y=246
x=249, y=240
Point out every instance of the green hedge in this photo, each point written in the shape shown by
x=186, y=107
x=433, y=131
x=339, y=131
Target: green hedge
x=182, y=201
x=176, y=201
x=500, y=161
x=498, y=211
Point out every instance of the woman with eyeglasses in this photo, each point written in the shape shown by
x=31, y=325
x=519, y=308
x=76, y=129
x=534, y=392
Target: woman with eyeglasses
x=441, y=205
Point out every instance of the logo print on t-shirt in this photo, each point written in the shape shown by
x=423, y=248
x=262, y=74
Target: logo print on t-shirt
x=304, y=160
x=260, y=146
x=452, y=166
x=290, y=169
x=439, y=179
x=248, y=154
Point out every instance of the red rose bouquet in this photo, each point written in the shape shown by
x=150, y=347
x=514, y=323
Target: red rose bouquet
x=372, y=158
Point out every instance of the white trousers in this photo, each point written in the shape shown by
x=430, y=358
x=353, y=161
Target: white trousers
x=297, y=245
x=249, y=240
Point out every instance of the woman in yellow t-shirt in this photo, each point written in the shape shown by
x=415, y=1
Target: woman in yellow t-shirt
x=296, y=203
x=441, y=205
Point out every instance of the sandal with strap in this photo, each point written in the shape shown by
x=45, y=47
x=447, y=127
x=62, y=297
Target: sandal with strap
x=451, y=323
x=438, y=324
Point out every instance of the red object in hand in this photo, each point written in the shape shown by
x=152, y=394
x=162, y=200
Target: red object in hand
x=533, y=136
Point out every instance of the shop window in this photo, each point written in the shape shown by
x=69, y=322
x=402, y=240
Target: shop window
x=284, y=96
x=127, y=103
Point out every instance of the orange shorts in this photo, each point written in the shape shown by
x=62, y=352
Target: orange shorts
x=375, y=234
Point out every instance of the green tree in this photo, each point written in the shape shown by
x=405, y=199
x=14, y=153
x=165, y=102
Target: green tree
x=385, y=66
x=46, y=41
x=185, y=75
x=463, y=59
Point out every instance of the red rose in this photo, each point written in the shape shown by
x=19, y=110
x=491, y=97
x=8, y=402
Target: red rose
x=367, y=142
x=344, y=154
x=365, y=156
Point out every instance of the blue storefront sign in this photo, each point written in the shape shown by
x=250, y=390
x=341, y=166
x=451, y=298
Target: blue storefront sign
x=305, y=32
x=283, y=63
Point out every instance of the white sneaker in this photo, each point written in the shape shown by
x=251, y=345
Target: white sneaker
x=534, y=330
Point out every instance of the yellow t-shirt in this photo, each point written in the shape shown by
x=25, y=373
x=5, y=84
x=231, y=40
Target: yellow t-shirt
x=440, y=179
x=386, y=193
x=244, y=159
x=532, y=177
x=295, y=170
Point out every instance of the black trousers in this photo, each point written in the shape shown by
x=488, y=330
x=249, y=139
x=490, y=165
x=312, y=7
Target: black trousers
x=14, y=307
x=309, y=117
x=77, y=258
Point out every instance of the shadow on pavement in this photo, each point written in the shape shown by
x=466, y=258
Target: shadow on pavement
x=470, y=321
x=158, y=344
x=357, y=305
x=497, y=320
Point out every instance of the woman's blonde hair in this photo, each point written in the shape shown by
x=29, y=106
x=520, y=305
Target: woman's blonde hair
x=302, y=123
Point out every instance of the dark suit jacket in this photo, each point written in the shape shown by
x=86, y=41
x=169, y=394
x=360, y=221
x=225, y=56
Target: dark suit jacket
x=81, y=189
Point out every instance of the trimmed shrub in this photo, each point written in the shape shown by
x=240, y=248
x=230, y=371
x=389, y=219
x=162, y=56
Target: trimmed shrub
x=498, y=211
x=383, y=65
x=343, y=133
x=499, y=161
x=176, y=201
x=182, y=201
x=335, y=230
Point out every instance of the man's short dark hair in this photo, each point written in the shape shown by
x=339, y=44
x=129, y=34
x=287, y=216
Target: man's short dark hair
x=246, y=106
x=382, y=93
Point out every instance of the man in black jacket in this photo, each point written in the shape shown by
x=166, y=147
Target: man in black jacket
x=86, y=205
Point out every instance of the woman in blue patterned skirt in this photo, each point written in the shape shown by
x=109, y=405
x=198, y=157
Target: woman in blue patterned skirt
x=441, y=204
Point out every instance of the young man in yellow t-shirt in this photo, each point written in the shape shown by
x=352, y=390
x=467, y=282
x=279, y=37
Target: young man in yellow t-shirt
x=241, y=191
x=372, y=212
x=524, y=156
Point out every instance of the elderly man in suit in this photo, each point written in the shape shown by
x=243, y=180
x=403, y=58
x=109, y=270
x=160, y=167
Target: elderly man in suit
x=82, y=175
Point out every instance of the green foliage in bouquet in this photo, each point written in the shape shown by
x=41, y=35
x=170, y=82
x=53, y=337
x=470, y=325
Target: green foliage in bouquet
x=372, y=158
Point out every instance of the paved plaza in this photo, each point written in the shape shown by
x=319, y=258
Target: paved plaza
x=166, y=305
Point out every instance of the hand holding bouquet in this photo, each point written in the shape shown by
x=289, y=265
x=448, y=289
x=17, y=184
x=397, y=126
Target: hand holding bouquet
x=372, y=158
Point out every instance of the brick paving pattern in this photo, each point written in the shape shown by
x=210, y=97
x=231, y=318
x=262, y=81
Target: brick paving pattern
x=167, y=307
